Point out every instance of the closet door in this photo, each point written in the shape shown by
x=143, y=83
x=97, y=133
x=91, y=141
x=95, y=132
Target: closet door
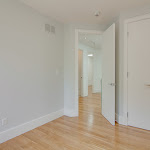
x=139, y=73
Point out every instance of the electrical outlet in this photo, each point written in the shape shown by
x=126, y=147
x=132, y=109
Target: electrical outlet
x=4, y=121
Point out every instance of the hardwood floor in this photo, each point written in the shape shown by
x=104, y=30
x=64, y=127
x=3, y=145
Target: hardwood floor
x=89, y=131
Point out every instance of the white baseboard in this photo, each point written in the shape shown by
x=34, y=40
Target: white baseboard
x=71, y=113
x=96, y=91
x=121, y=120
x=23, y=128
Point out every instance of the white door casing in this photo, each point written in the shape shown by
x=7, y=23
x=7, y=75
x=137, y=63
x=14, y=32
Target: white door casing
x=138, y=44
x=108, y=75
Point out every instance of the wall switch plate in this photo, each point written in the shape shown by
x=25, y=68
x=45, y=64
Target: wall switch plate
x=53, y=29
x=47, y=28
x=4, y=121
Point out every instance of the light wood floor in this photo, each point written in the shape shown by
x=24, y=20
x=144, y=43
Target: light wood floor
x=89, y=131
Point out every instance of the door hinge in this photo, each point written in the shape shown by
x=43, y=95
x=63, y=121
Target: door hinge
x=127, y=74
x=127, y=114
x=127, y=33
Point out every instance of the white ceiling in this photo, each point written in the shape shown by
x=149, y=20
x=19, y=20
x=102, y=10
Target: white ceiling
x=82, y=11
x=91, y=40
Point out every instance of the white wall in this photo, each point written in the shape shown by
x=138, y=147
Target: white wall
x=97, y=70
x=85, y=74
x=86, y=48
x=29, y=61
x=80, y=61
x=90, y=71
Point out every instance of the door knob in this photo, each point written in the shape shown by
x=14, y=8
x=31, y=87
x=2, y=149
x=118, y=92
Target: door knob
x=112, y=84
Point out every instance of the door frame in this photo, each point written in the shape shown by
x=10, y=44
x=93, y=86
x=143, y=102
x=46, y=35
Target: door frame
x=77, y=31
x=125, y=70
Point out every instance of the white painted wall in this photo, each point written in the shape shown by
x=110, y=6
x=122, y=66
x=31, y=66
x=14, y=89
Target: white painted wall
x=80, y=61
x=85, y=74
x=97, y=71
x=90, y=71
x=86, y=48
x=29, y=60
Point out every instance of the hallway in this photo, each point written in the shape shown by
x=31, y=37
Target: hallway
x=89, y=131
x=90, y=106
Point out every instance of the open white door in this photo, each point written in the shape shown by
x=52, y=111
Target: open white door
x=108, y=75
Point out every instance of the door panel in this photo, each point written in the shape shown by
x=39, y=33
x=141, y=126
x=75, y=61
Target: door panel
x=108, y=75
x=139, y=74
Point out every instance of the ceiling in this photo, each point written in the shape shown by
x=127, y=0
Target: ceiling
x=91, y=40
x=82, y=11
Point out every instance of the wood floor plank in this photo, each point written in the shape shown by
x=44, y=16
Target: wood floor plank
x=89, y=131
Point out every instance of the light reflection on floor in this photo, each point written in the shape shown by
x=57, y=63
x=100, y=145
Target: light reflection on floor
x=90, y=106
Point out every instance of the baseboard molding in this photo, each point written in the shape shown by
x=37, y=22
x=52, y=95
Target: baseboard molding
x=121, y=120
x=96, y=91
x=23, y=128
x=71, y=113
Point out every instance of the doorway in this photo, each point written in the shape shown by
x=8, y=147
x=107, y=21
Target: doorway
x=107, y=83
x=90, y=70
x=90, y=63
